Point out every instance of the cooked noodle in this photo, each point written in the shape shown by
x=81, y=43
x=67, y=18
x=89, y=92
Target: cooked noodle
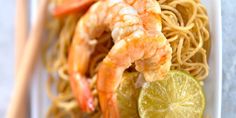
x=185, y=25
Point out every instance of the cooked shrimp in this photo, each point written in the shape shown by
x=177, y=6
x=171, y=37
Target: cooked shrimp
x=134, y=42
x=150, y=13
x=78, y=61
x=137, y=38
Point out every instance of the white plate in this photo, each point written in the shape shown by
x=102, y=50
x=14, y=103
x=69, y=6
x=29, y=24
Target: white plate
x=40, y=102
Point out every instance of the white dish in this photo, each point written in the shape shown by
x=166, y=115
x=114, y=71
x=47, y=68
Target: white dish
x=212, y=87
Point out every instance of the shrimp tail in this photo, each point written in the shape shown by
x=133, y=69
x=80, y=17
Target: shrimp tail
x=72, y=6
x=108, y=100
x=81, y=90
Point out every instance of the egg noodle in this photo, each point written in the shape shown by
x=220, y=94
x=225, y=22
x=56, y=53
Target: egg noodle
x=185, y=25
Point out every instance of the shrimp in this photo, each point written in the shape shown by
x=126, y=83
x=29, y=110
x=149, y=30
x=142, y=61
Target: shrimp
x=136, y=32
x=134, y=42
x=78, y=61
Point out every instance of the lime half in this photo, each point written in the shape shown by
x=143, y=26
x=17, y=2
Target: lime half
x=127, y=96
x=179, y=95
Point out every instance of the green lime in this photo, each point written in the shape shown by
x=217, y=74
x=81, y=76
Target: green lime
x=127, y=96
x=179, y=95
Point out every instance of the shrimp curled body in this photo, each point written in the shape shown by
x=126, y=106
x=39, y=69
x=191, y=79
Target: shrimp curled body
x=136, y=31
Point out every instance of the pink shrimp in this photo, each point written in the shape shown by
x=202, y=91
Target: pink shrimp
x=78, y=61
x=134, y=41
x=136, y=32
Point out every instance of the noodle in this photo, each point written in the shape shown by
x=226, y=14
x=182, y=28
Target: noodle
x=185, y=25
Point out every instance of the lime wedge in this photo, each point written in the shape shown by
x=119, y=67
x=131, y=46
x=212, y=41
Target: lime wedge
x=127, y=96
x=179, y=95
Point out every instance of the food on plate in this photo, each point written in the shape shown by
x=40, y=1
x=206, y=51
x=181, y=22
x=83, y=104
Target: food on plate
x=100, y=54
